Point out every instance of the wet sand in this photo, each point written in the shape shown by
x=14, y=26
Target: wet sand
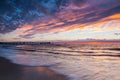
x=10, y=71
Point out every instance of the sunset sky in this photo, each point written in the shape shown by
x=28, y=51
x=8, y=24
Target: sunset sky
x=52, y=20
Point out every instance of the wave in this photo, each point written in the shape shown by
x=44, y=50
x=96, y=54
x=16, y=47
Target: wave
x=116, y=49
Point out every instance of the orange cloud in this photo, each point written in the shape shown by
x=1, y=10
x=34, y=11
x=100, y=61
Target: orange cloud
x=115, y=16
x=25, y=27
x=57, y=25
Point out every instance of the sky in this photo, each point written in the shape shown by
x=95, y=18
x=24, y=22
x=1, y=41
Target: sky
x=59, y=20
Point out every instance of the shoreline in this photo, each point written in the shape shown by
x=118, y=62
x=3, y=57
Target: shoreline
x=11, y=71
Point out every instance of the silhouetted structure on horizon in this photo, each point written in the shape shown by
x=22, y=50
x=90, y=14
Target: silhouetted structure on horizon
x=24, y=43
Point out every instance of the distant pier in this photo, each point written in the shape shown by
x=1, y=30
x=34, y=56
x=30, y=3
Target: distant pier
x=24, y=43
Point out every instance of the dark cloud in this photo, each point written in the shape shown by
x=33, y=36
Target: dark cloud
x=14, y=13
x=79, y=2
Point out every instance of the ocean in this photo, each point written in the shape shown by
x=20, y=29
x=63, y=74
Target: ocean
x=75, y=61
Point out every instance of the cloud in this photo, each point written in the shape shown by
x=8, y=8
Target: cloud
x=27, y=36
x=15, y=13
x=52, y=16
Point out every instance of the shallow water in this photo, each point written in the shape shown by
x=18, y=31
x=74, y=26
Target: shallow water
x=77, y=62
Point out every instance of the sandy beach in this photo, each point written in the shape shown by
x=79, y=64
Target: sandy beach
x=10, y=71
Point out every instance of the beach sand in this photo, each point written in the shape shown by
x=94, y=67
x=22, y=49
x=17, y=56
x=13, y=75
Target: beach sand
x=10, y=71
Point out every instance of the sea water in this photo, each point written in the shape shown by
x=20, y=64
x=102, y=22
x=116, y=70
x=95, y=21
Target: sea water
x=76, y=61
